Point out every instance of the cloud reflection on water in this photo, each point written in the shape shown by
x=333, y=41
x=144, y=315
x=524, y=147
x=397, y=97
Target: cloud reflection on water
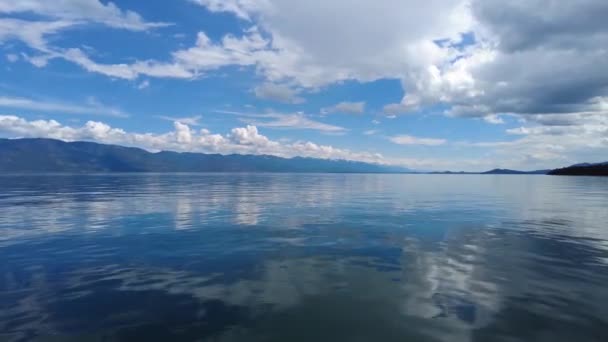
x=235, y=257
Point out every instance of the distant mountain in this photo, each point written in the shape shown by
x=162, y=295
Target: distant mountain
x=452, y=173
x=494, y=172
x=584, y=169
x=48, y=155
x=514, y=172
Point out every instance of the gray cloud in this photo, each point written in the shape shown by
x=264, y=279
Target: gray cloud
x=345, y=108
x=531, y=57
x=278, y=92
x=528, y=25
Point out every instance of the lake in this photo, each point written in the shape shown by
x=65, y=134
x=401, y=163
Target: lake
x=303, y=257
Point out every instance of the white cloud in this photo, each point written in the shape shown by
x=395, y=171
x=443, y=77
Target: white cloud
x=278, y=92
x=493, y=119
x=248, y=136
x=508, y=66
x=31, y=33
x=191, y=121
x=183, y=133
x=207, y=55
x=552, y=140
x=240, y=8
x=244, y=140
x=346, y=108
x=371, y=132
x=188, y=63
x=121, y=70
x=62, y=15
x=80, y=10
x=411, y=140
x=92, y=107
x=297, y=121
x=361, y=41
x=523, y=58
x=536, y=146
x=388, y=42
x=285, y=121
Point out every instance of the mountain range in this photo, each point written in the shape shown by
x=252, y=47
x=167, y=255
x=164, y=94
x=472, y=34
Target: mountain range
x=494, y=172
x=49, y=155
x=584, y=169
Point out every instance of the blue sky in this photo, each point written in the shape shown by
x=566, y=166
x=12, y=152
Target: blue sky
x=450, y=84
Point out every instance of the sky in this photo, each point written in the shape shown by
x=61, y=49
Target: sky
x=436, y=85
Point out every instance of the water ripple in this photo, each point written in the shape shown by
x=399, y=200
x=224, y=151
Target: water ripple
x=266, y=257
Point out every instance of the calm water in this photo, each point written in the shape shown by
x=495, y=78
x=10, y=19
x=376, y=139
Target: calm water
x=303, y=258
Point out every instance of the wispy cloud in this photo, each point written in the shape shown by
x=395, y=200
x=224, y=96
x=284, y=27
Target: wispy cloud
x=285, y=121
x=345, y=108
x=92, y=107
x=81, y=10
x=411, y=140
x=192, y=120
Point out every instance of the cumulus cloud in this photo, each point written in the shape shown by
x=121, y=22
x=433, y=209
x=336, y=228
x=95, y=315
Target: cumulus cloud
x=481, y=58
x=248, y=136
x=363, y=41
x=411, y=140
x=244, y=140
x=390, y=37
x=530, y=57
x=535, y=145
x=507, y=66
x=345, y=108
x=543, y=62
x=278, y=92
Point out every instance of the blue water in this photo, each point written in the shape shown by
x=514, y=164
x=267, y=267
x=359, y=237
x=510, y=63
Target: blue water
x=265, y=257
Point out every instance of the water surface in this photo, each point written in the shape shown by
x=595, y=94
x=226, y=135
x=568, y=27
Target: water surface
x=292, y=257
